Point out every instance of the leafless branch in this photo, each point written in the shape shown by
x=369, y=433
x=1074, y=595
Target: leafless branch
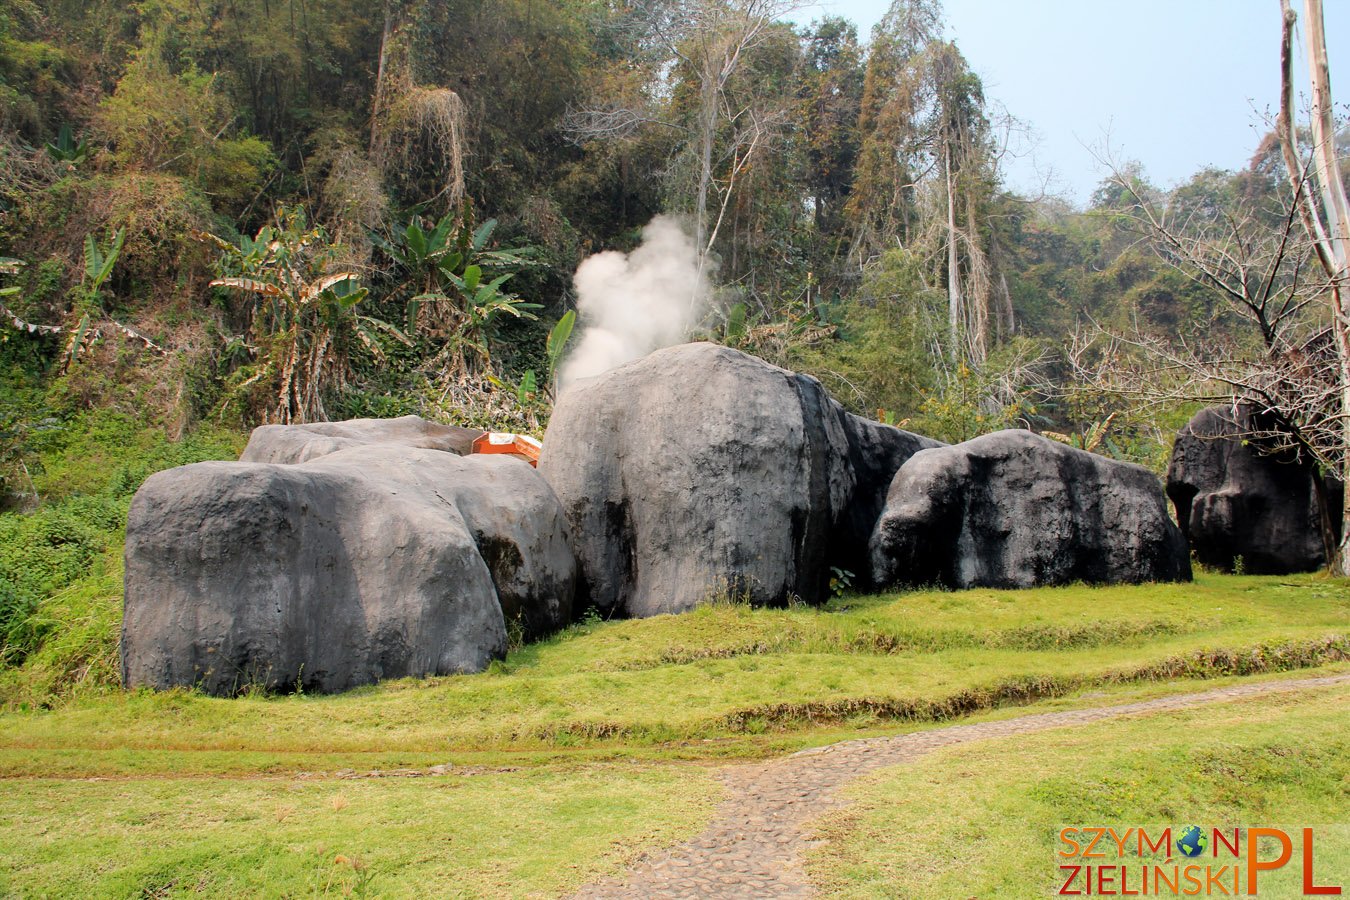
x=603, y=123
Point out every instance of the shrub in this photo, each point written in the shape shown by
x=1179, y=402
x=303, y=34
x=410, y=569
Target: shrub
x=163, y=121
x=879, y=358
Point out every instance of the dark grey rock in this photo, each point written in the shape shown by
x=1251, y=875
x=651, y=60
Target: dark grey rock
x=698, y=471
x=520, y=531
x=1013, y=510
x=301, y=443
x=373, y=562
x=875, y=453
x=1234, y=501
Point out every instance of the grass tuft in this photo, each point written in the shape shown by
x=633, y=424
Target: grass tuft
x=1202, y=664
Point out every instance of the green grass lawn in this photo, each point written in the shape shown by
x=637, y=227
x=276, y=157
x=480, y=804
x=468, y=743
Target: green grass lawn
x=582, y=750
x=980, y=820
x=725, y=673
x=539, y=830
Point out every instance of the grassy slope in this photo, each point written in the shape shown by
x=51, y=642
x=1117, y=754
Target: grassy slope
x=723, y=673
x=581, y=742
x=61, y=564
x=1283, y=760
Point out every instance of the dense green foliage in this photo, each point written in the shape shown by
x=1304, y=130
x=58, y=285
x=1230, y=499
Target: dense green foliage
x=152, y=125
x=60, y=563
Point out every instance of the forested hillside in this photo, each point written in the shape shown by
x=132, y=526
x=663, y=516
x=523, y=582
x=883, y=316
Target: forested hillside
x=220, y=213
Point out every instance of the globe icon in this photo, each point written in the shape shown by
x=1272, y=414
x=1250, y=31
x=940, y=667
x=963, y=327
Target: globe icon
x=1192, y=842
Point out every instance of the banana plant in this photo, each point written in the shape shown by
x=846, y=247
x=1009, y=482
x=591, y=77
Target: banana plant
x=422, y=253
x=65, y=149
x=456, y=281
x=554, y=348
x=428, y=254
x=557, y=343
x=304, y=317
x=487, y=301
x=480, y=305
x=98, y=262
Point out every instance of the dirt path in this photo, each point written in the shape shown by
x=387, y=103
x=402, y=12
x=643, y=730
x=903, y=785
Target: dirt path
x=754, y=846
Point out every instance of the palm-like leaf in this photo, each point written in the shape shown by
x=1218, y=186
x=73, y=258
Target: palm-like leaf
x=439, y=239
x=415, y=239
x=98, y=264
x=557, y=340
x=342, y=284
x=93, y=257
x=472, y=276
x=483, y=234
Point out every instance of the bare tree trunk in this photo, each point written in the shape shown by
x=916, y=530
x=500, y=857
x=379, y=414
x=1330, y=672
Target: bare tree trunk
x=707, y=126
x=1336, y=236
x=1324, y=143
x=377, y=104
x=954, y=299
x=1325, y=516
x=979, y=292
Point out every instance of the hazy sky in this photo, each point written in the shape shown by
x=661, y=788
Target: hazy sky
x=1177, y=84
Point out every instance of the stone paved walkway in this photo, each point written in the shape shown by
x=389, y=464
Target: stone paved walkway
x=754, y=846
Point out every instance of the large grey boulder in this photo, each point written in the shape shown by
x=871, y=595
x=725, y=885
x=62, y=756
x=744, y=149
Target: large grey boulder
x=875, y=453
x=1014, y=510
x=699, y=471
x=1234, y=501
x=374, y=562
x=301, y=443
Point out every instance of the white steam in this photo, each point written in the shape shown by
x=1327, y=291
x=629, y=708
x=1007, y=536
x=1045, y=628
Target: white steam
x=630, y=304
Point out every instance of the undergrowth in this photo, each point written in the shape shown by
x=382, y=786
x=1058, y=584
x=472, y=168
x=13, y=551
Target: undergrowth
x=60, y=560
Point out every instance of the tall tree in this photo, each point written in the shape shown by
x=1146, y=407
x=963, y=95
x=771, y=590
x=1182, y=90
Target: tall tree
x=927, y=173
x=701, y=43
x=960, y=147
x=893, y=142
x=1327, y=226
x=831, y=90
x=712, y=37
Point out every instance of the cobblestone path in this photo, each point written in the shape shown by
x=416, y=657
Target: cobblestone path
x=753, y=848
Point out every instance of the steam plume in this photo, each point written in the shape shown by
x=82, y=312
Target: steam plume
x=631, y=304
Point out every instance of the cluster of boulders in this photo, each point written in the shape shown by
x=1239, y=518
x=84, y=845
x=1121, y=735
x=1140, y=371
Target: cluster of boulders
x=332, y=556
x=340, y=554
x=699, y=471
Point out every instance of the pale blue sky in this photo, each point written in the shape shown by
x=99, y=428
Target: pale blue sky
x=1177, y=84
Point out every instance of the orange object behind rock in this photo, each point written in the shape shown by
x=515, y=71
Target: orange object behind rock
x=518, y=445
